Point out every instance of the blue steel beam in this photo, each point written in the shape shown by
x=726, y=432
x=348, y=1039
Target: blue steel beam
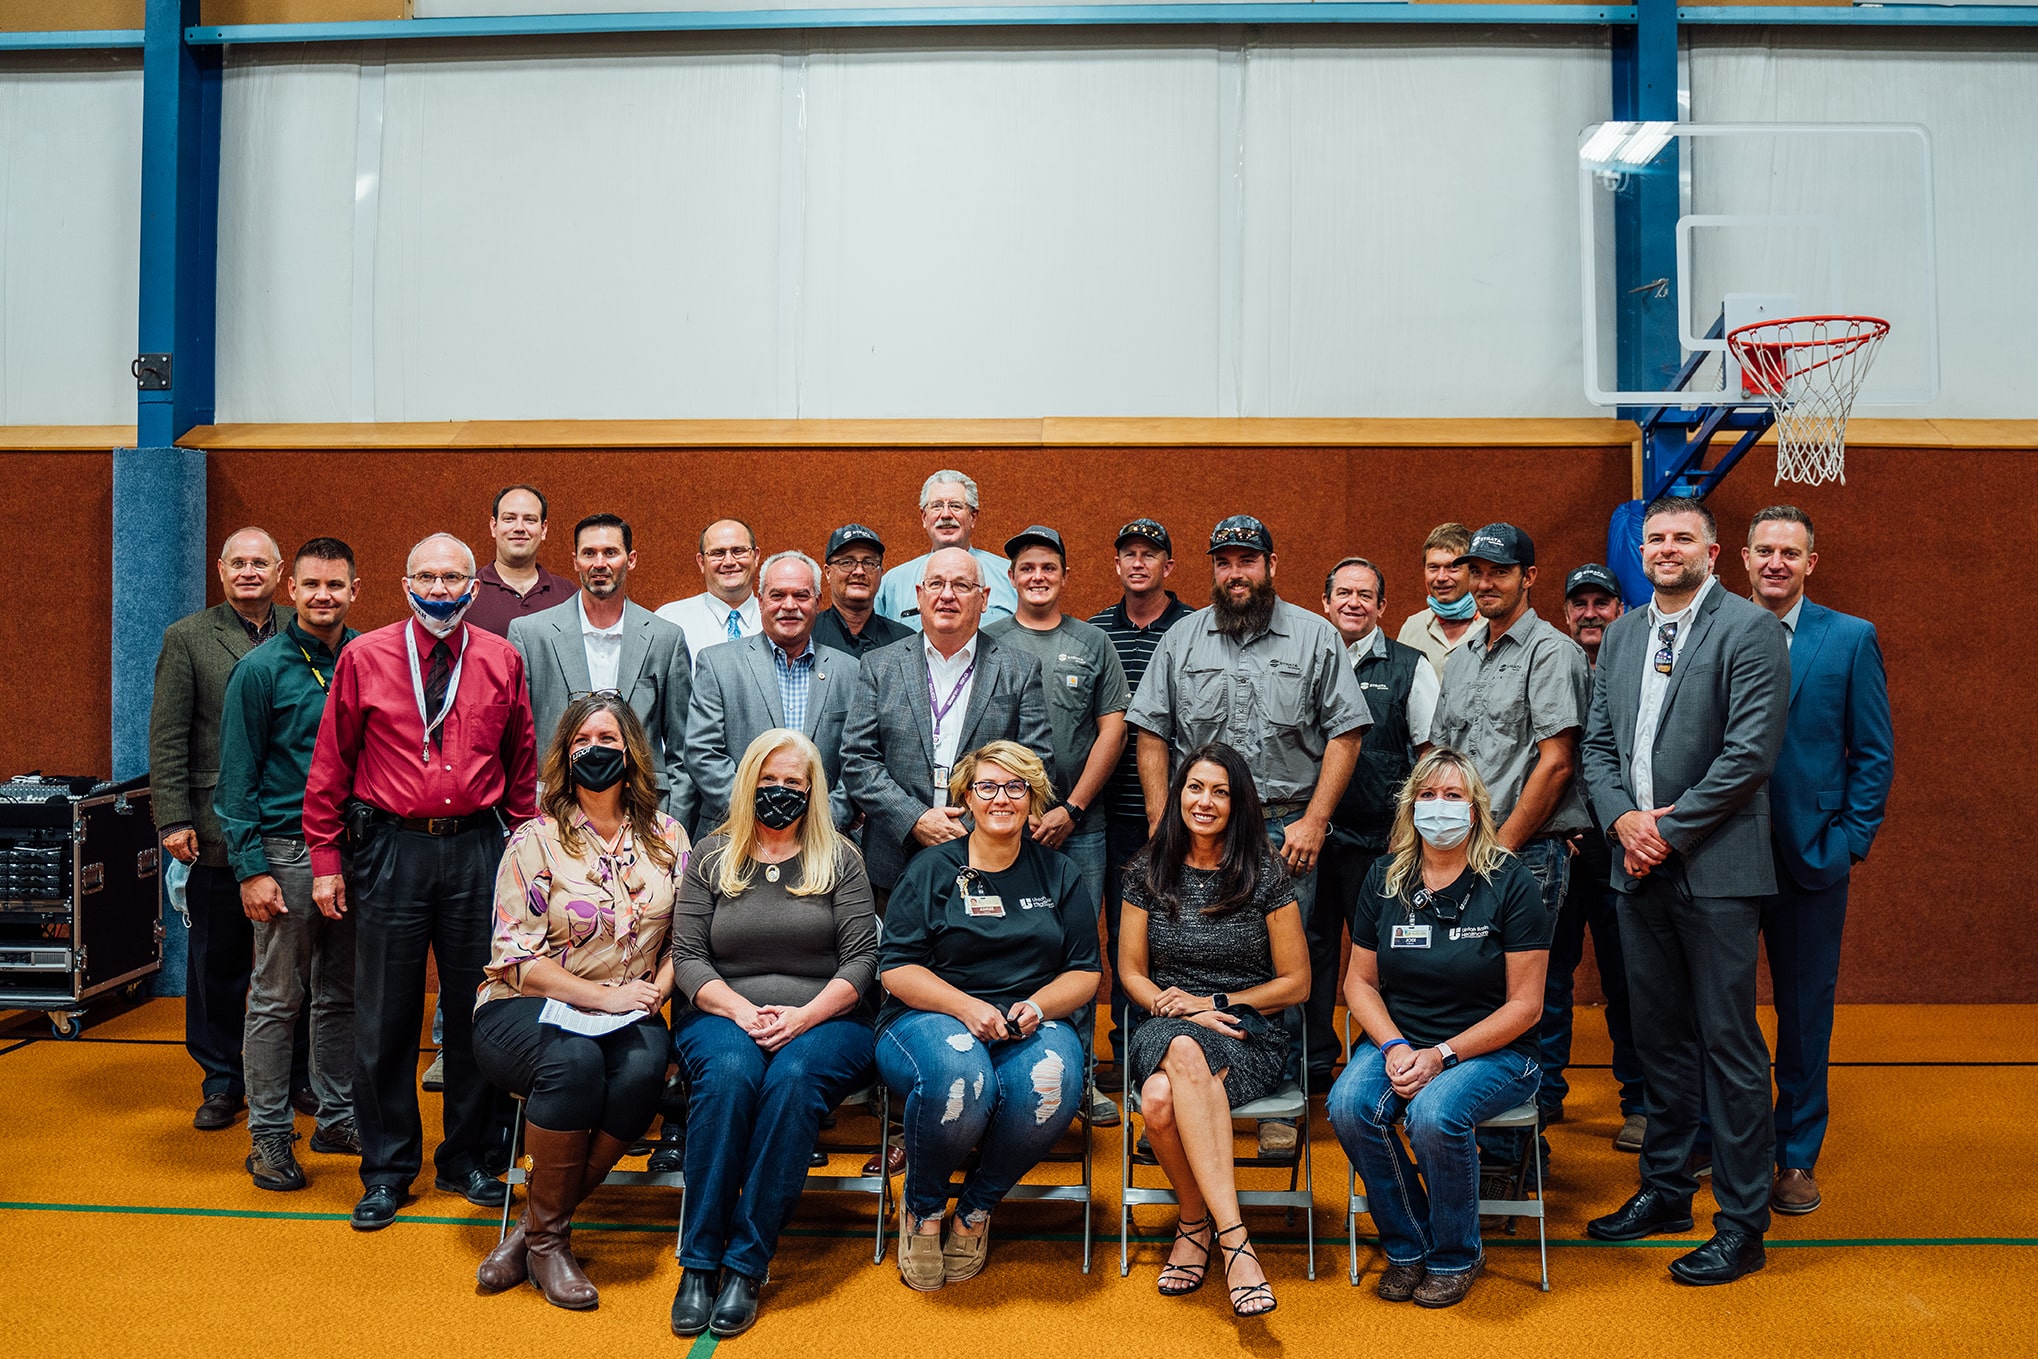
x=69, y=40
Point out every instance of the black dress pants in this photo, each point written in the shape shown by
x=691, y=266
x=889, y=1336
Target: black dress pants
x=412, y=892
x=219, y=958
x=1340, y=871
x=571, y=1081
x=1691, y=989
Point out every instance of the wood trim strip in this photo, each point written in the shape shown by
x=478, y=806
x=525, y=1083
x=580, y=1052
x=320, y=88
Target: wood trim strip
x=65, y=438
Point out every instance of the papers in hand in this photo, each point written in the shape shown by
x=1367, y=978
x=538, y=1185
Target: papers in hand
x=560, y=1015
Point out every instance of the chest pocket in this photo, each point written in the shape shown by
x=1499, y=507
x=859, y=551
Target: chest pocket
x=1283, y=693
x=1203, y=700
x=1071, y=684
x=1504, y=694
x=485, y=724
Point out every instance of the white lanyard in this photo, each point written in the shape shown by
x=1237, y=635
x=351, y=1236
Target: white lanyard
x=417, y=686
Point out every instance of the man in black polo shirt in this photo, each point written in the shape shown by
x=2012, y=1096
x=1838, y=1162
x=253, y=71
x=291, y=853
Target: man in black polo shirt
x=1401, y=688
x=855, y=563
x=1135, y=625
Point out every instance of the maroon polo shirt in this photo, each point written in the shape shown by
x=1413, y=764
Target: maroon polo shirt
x=496, y=605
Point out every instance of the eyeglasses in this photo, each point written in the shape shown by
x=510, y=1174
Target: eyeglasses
x=1666, y=654
x=948, y=506
x=957, y=588
x=1015, y=791
x=246, y=563
x=452, y=580
x=851, y=565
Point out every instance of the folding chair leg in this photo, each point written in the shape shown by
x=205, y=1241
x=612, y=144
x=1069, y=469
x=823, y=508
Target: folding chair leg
x=884, y=1149
x=1309, y=1183
x=1125, y=1144
x=1542, y=1220
x=516, y=1145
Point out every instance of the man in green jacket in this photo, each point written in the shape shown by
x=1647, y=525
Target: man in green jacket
x=267, y=729
x=199, y=652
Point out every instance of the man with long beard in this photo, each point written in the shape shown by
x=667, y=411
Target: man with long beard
x=1271, y=681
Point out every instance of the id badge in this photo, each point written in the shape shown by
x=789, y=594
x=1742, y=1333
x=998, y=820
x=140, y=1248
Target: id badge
x=1409, y=936
x=973, y=904
x=941, y=773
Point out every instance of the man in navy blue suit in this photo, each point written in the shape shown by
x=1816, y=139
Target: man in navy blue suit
x=1826, y=801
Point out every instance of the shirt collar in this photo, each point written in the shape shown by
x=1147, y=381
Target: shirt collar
x=588, y=629
x=787, y=656
x=1517, y=630
x=1373, y=643
x=1658, y=617
x=967, y=654
x=308, y=642
x=1791, y=616
x=1277, y=621
x=719, y=609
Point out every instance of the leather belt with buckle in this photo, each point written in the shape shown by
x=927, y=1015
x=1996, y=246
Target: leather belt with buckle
x=441, y=825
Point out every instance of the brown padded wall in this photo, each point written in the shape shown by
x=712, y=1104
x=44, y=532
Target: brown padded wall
x=1918, y=541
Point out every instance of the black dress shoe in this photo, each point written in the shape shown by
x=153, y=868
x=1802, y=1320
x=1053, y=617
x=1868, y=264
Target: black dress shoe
x=1725, y=1258
x=304, y=1102
x=477, y=1186
x=377, y=1208
x=735, y=1307
x=669, y=1159
x=818, y=1159
x=216, y=1112
x=1648, y=1213
x=694, y=1303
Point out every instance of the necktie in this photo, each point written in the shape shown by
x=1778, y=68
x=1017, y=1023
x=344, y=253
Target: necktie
x=735, y=624
x=435, y=686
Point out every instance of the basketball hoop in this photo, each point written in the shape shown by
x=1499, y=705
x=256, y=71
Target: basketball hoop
x=1810, y=369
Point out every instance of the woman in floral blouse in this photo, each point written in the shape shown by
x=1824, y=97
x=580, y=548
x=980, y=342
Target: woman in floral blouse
x=569, y=1016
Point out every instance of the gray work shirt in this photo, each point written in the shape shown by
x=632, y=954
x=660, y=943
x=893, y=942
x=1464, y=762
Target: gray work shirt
x=1499, y=701
x=1277, y=698
x=1084, y=681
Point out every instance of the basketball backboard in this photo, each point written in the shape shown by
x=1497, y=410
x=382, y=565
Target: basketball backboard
x=1771, y=220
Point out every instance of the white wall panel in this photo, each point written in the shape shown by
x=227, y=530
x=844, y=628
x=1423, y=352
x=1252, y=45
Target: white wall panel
x=1978, y=95
x=70, y=224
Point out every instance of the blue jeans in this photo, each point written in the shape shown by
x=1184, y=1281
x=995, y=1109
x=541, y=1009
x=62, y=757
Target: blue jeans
x=1123, y=838
x=1305, y=900
x=1011, y=1100
x=1434, y=1220
x=755, y=1118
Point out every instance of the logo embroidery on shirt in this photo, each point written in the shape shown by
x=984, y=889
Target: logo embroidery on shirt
x=1036, y=903
x=1470, y=931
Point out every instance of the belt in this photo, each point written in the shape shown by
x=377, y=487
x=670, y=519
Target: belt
x=1300, y=804
x=437, y=825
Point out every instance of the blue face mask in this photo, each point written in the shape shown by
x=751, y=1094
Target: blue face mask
x=1463, y=608
x=439, y=616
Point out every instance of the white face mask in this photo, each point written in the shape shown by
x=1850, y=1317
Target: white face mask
x=439, y=617
x=1443, y=824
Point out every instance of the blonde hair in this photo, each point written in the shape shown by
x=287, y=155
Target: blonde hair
x=1483, y=850
x=1008, y=755
x=819, y=843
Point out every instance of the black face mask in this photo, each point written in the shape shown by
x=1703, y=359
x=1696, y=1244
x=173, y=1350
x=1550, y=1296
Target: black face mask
x=598, y=768
x=778, y=806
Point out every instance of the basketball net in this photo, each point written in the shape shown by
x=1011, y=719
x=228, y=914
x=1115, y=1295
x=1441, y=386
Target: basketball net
x=1810, y=368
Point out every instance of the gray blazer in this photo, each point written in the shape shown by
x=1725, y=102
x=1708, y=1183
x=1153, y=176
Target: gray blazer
x=735, y=700
x=888, y=743
x=653, y=675
x=199, y=653
x=1722, y=726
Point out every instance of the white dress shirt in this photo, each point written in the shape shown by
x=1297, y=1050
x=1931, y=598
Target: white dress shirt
x=1790, y=617
x=704, y=619
x=1655, y=686
x=1423, y=691
x=946, y=673
x=604, y=647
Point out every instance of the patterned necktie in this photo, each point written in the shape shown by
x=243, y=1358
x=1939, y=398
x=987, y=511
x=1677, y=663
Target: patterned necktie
x=435, y=687
x=735, y=624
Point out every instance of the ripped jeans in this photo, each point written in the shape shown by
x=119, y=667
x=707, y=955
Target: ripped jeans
x=1013, y=1099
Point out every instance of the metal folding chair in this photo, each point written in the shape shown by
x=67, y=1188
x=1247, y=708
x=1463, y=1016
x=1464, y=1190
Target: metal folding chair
x=1290, y=1101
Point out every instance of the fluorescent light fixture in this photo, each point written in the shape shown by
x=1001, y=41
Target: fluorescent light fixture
x=1617, y=146
x=1599, y=147
x=1641, y=147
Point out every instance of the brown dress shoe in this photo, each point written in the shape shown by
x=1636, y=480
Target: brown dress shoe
x=1399, y=1283
x=216, y=1112
x=1796, y=1193
x=894, y=1162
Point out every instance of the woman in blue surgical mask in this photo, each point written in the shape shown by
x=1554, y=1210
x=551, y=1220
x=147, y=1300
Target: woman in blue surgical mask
x=1450, y=944
x=774, y=951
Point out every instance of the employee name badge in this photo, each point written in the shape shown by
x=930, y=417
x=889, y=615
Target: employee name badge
x=941, y=773
x=1409, y=936
x=979, y=903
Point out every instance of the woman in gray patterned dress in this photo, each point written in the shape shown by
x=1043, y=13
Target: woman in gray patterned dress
x=1211, y=946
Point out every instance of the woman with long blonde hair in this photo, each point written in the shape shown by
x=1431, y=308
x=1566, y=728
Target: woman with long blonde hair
x=1450, y=944
x=774, y=957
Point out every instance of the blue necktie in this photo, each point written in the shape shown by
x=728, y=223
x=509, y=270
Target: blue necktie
x=735, y=625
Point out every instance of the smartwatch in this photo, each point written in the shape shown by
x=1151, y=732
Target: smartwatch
x=1220, y=1001
x=1450, y=1058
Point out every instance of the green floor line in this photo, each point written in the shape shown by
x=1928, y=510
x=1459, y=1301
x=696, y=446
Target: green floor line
x=703, y=1347
x=1325, y=1241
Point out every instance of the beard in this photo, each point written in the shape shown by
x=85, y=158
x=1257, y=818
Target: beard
x=1248, y=619
x=1686, y=576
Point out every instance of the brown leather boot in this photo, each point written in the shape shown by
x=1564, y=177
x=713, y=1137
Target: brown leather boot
x=504, y=1266
x=603, y=1152
x=558, y=1160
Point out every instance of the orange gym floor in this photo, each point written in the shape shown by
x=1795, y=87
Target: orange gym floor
x=128, y=1231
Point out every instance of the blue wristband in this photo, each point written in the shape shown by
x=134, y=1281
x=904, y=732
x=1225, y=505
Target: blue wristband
x=1392, y=1042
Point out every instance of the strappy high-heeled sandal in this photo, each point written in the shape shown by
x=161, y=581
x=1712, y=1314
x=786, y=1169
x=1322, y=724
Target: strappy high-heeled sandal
x=1241, y=1294
x=1187, y=1278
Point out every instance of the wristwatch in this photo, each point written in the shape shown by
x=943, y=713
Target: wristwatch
x=1450, y=1058
x=1219, y=1001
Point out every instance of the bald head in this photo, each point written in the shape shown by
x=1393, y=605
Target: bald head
x=951, y=598
x=440, y=552
x=953, y=563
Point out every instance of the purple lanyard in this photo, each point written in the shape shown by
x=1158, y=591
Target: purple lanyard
x=941, y=709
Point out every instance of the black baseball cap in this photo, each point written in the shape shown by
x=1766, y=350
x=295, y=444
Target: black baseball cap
x=1146, y=531
x=1594, y=576
x=1501, y=544
x=851, y=534
x=1241, y=530
x=1036, y=535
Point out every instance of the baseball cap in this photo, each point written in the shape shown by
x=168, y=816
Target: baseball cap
x=1595, y=576
x=851, y=534
x=1036, y=535
x=1146, y=530
x=1241, y=530
x=1501, y=544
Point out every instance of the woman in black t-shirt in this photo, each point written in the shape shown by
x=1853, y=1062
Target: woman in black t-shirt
x=1450, y=944
x=990, y=944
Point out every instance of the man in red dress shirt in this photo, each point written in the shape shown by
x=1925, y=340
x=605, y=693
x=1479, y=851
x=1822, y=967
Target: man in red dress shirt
x=424, y=763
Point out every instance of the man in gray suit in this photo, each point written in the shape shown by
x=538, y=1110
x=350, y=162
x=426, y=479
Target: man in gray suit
x=1689, y=702
x=923, y=702
x=600, y=640
x=779, y=678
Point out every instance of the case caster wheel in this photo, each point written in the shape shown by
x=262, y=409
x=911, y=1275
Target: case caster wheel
x=67, y=1023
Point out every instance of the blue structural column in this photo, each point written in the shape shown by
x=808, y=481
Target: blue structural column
x=159, y=531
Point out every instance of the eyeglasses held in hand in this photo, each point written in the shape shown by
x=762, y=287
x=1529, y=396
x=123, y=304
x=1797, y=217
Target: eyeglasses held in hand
x=1016, y=790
